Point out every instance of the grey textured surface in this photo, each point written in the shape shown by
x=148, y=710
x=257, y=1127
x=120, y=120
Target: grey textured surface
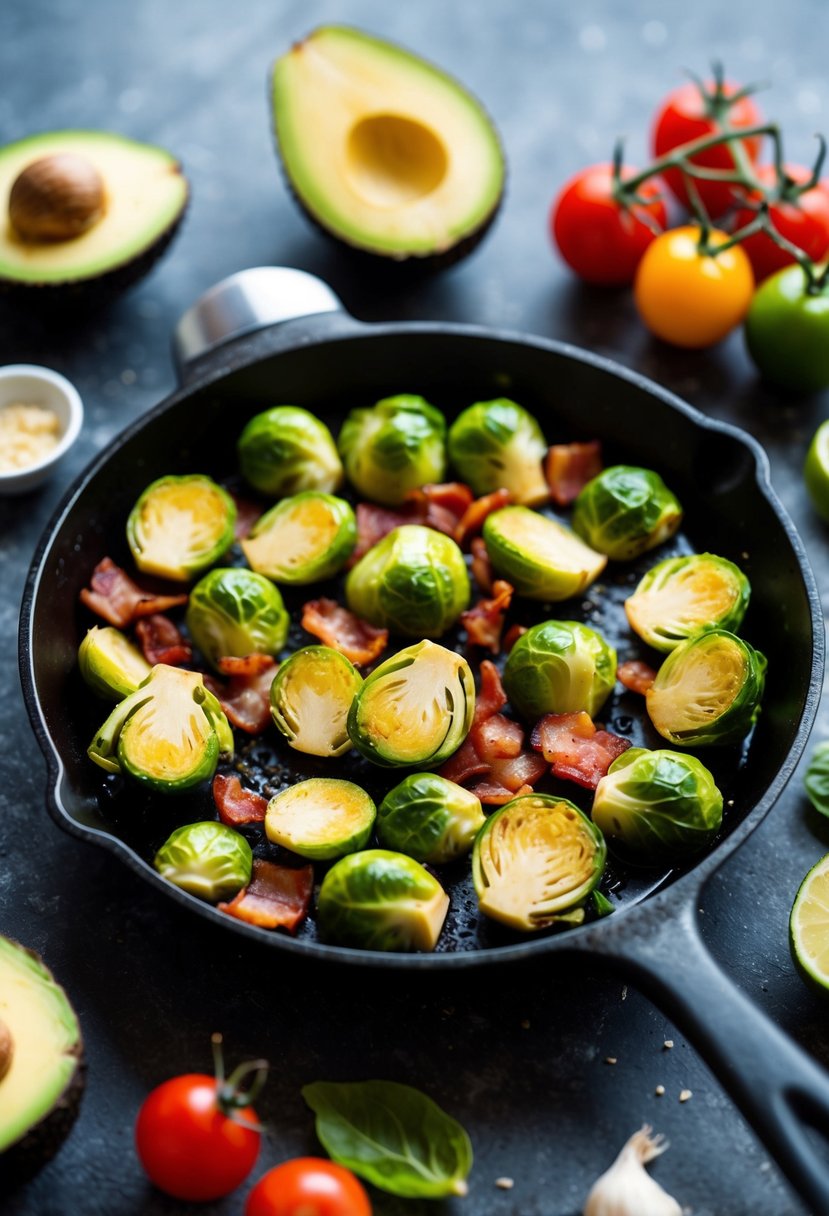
x=521, y=1061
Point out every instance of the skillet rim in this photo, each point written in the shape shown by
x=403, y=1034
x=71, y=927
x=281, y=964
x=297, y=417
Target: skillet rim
x=330, y=329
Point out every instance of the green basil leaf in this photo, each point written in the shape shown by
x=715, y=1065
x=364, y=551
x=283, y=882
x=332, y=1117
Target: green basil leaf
x=816, y=780
x=393, y=1136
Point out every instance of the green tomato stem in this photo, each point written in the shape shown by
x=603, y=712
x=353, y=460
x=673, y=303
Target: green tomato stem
x=231, y=1094
x=678, y=157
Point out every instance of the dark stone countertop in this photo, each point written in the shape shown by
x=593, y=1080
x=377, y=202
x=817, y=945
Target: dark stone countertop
x=522, y=1063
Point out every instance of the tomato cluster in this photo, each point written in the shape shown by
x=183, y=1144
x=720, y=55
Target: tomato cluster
x=694, y=283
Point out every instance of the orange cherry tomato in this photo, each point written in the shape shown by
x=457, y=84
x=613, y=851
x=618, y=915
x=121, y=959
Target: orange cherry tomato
x=689, y=298
x=308, y=1186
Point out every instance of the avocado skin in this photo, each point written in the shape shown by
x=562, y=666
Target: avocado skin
x=23, y=1159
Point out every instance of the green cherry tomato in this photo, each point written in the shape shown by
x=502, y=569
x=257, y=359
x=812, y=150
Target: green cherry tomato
x=787, y=332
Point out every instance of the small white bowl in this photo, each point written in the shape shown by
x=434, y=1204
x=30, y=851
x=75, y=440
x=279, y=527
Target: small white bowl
x=32, y=385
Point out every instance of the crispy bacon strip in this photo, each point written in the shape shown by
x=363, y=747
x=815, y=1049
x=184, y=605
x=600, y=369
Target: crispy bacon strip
x=113, y=595
x=472, y=520
x=512, y=635
x=569, y=466
x=246, y=698
x=247, y=513
x=636, y=675
x=438, y=506
x=236, y=805
x=277, y=897
x=575, y=748
x=249, y=665
x=482, y=570
x=161, y=641
x=338, y=627
x=484, y=621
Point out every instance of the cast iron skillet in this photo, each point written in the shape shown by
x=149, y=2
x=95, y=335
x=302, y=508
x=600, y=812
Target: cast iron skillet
x=272, y=335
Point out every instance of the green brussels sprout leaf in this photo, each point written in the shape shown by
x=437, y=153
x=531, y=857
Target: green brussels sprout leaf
x=311, y=695
x=285, y=450
x=540, y=557
x=625, y=511
x=379, y=900
x=682, y=595
x=302, y=539
x=234, y=611
x=207, y=859
x=180, y=526
x=110, y=664
x=559, y=667
x=321, y=818
x=816, y=780
x=498, y=445
x=429, y=818
x=394, y=447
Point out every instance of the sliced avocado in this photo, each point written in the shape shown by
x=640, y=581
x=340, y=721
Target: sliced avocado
x=47, y=187
x=382, y=149
x=41, y=1072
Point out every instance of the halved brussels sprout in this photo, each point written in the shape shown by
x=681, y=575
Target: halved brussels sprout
x=682, y=595
x=304, y=538
x=708, y=690
x=661, y=805
x=541, y=558
x=110, y=664
x=625, y=511
x=395, y=446
x=321, y=818
x=233, y=611
x=311, y=695
x=416, y=708
x=207, y=859
x=380, y=900
x=535, y=861
x=180, y=526
x=429, y=818
x=169, y=734
x=559, y=667
x=414, y=582
x=498, y=445
x=286, y=449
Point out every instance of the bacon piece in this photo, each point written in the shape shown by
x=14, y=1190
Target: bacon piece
x=249, y=665
x=338, y=627
x=491, y=696
x=373, y=523
x=482, y=570
x=465, y=763
x=512, y=635
x=247, y=513
x=161, y=641
x=575, y=748
x=636, y=675
x=443, y=505
x=569, y=466
x=246, y=698
x=277, y=897
x=236, y=805
x=497, y=795
x=473, y=517
x=485, y=620
x=113, y=595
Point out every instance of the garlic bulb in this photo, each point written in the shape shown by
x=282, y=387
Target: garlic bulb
x=626, y=1189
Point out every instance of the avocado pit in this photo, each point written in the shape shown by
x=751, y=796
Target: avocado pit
x=56, y=198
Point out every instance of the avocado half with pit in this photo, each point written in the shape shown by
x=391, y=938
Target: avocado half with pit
x=41, y=1064
x=384, y=151
x=84, y=214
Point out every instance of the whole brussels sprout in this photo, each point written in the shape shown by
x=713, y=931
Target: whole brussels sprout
x=414, y=582
x=311, y=695
x=559, y=667
x=395, y=446
x=415, y=708
x=321, y=818
x=535, y=861
x=708, y=690
x=181, y=525
x=236, y=612
x=304, y=538
x=379, y=900
x=207, y=859
x=110, y=664
x=682, y=595
x=429, y=818
x=661, y=805
x=540, y=557
x=625, y=511
x=496, y=445
x=285, y=450
x=169, y=734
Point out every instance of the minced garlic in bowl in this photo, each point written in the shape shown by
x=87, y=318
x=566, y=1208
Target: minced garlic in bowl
x=28, y=434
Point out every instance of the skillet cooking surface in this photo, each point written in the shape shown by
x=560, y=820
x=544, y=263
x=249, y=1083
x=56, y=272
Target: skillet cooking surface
x=711, y=468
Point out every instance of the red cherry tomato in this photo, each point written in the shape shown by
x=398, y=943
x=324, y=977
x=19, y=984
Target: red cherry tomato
x=804, y=222
x=600, y=240
x=308, y=1186
x=685, y=115
x=189, y=1148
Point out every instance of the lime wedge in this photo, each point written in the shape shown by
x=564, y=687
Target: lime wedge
x=816, y=470
x=809, y=926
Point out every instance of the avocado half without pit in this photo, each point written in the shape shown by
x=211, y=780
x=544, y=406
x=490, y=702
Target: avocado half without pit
x=41, y=1064
x=85, y=213
x=384, y=151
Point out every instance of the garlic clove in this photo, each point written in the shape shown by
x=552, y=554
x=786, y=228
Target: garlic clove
x=626, y=1189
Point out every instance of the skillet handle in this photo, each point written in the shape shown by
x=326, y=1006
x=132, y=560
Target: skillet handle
x=244, y=302
x=782, y=1092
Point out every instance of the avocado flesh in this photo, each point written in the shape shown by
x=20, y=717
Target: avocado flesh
x=382, y=149
x=46, y=1056
x=146, y=194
